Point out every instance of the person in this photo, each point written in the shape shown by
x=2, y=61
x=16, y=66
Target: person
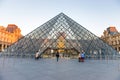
x=37, y=55
x=79, y=57
x=57, y=56
x=82, y=56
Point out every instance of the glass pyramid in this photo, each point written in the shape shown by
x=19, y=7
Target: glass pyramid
x=62, y=34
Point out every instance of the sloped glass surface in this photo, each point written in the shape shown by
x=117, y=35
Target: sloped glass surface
x=62, y=34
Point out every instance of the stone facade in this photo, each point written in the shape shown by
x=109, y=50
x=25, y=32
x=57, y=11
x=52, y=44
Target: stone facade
x=9, y=35
x=112, y=37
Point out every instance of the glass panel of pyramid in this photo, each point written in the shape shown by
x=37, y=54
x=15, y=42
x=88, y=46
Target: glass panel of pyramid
x=62, y=34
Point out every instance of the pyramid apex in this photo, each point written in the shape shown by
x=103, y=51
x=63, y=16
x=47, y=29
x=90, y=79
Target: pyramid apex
x=61, y=13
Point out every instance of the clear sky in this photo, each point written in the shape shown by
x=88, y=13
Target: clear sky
x=94, y=15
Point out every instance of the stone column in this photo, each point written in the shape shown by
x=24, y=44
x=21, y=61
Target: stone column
x=2, y=47
x=6, y=46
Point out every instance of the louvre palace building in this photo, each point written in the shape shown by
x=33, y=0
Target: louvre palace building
x=62, y=34
x=9, y=35
x=112, y=37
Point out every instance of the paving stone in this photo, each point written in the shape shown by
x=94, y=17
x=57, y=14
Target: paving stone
x=64, y=69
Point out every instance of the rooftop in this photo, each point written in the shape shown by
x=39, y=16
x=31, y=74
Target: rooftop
x=11, y=27
x=112, y=30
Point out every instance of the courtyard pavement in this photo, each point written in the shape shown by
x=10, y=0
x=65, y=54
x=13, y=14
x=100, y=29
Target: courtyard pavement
x=64, y=69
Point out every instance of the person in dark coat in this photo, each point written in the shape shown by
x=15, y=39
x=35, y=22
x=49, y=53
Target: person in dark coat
x=57, y=56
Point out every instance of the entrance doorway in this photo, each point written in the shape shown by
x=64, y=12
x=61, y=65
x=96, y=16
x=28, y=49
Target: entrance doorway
x=64, y=53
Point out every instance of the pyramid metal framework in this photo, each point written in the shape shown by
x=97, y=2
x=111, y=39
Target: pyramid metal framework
x=61, y=33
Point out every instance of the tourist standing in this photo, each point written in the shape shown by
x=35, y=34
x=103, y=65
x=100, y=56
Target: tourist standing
x=37, y=55
x=79, y=57
x=57, y=56
x=82, y=56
